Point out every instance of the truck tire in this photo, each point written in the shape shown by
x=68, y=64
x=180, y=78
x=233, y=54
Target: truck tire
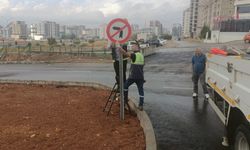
x=242, y=138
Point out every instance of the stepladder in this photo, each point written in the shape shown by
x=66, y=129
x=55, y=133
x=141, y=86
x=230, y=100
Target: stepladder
x=112, y=98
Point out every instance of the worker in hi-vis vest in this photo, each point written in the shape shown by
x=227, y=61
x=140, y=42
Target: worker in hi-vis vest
x=136, y=73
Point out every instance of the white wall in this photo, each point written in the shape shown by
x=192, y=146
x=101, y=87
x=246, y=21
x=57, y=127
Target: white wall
x=223, y=37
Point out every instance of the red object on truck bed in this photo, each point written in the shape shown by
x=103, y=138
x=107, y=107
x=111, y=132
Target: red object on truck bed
x=218, y=51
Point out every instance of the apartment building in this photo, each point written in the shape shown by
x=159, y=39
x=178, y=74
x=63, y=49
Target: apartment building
x=242, y=9
x=47, y=29
x=177, y=31
x=156, y=26
x=213, y=12
x=194, y=24
x=186, y=23
x=17, y=30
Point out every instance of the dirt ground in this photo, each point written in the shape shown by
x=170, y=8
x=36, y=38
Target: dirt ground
x=57, y=58
x=37, y=117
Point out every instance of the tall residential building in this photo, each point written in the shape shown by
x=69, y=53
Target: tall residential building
x=17, y=30
x=157, y=27
x=91, y=33
x=62, y=31
x=47, y=29
x=194, y=24
x=165, y=31
x=76, y=30
x=186, y=23
x=176, y=31
x=33, y=31
x=242, y=9
x=212, y=12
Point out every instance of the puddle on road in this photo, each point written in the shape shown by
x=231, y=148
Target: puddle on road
x=7, y=74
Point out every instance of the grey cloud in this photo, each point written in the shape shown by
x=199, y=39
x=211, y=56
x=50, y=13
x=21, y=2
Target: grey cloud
x=89, y=13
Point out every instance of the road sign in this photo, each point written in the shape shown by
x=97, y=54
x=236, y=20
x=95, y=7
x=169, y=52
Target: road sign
x=119, y=31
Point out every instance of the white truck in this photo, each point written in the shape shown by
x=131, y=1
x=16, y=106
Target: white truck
x=228, y=78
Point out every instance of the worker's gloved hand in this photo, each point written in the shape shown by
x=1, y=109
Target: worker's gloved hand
x=145, y=81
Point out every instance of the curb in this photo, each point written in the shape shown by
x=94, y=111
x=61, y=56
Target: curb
x=141, y=115
x=24, y=62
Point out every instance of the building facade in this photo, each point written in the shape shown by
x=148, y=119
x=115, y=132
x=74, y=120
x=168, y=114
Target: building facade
x=47, y=29
x=194, y=24
x=17, y=30
x=177, y=31
x=242, y=9
x=213, y=12
x=157, y=27
x=76, y=31
x=186, y=23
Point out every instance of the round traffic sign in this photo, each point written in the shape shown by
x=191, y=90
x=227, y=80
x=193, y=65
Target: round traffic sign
x=119, y=30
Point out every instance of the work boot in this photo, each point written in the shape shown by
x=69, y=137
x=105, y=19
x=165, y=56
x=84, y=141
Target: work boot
x=207, y=97
x=195, y=95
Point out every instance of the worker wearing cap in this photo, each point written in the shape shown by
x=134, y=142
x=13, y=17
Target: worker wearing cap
x=116, y=58
x=136, y=73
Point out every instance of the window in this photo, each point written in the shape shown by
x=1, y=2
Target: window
x=244, y=9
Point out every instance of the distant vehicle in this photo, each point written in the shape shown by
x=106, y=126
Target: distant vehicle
x=229, y=80
x=162, y=41
x=130, y=44
x=247, y=38
x=142, y=45
x=154, y=43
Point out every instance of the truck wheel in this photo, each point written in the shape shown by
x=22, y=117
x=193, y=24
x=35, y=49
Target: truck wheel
x=242, y=138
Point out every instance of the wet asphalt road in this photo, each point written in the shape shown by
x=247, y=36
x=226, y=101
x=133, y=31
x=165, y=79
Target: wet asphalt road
x=180, y=123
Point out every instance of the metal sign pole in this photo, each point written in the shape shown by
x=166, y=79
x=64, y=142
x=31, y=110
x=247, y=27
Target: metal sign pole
x=122, y=116
x=119, y=31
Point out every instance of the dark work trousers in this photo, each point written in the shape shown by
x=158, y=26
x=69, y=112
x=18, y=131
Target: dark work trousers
x=139, y=83
x=116, y=67
x=202, y=78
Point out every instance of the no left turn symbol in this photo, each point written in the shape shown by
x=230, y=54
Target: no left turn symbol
x=119, y=30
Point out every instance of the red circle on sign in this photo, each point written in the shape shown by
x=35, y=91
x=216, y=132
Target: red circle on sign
x=126, y=25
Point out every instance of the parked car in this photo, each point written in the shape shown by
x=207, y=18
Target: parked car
x=154, y=43
x=163, y=42
x=247, y=38
x=142, y=45
x=130, y=45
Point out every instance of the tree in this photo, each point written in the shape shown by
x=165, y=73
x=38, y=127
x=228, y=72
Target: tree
x=204, y=32
x=166, y=37
x=92, y=44
x=51, y=41
x=77, y=41
x=91, y=41
x=154, y=37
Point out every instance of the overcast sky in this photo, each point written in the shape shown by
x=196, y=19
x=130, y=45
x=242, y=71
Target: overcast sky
x=92, y=13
